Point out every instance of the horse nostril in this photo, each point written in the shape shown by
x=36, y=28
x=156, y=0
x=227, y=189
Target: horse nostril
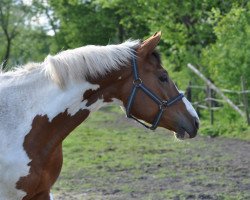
x=196, y=123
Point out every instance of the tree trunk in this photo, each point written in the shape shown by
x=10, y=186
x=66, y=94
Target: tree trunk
x=7, y=53
x=121, y=30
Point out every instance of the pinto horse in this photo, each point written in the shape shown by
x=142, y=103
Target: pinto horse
x=41, y=103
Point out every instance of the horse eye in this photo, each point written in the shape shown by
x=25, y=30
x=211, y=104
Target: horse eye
x=164, y=78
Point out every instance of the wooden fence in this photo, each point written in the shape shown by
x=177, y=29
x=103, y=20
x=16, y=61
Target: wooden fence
x=212, y=102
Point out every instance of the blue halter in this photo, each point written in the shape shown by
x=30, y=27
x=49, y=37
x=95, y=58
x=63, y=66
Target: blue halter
x=163, y=104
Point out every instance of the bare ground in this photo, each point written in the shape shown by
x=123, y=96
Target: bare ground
x=217, y=178
x=208, y=169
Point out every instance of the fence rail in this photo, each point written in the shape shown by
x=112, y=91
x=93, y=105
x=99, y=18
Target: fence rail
x=210, y=100
x=223, y=90
x=212, y=103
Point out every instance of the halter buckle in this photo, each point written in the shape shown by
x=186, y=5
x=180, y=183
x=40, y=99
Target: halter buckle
x=163, y=105
x=137, y=82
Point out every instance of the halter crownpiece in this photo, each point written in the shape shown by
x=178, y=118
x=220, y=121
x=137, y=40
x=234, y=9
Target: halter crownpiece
x=138, y=84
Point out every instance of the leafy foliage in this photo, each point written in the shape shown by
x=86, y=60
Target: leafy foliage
x=228, y=59
x=16, y=32
x=82, y=23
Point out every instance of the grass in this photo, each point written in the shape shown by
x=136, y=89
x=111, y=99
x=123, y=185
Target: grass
x=237, y=130
x=107, y=155
x=227, y=124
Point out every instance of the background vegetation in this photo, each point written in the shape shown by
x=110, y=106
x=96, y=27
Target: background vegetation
x=213, y=35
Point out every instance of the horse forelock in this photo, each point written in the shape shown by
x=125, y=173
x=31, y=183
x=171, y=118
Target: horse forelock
x=93, y=61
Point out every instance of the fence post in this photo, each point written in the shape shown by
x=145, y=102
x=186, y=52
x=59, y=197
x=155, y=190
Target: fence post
x=189, y=92
x=216, y=89
x=210, y=104
x=245, y=101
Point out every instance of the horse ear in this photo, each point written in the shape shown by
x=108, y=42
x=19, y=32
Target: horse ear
x=148, y=45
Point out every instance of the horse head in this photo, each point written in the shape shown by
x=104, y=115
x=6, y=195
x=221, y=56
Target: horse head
x=148, y=93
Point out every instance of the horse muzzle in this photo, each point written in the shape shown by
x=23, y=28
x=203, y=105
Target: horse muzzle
x=188, y=130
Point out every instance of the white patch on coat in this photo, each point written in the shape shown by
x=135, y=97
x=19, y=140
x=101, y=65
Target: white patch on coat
x=51, y=196
x=190, y=108
x=19, y=104
x=31, y=91
x=188, y=105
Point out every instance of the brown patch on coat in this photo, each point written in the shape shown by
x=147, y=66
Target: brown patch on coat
x=43, y=145
x=91, y=97
x=110, y=86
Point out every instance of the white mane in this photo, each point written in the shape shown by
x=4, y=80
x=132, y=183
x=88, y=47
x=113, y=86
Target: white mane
x=90, y=60
x=77, y=64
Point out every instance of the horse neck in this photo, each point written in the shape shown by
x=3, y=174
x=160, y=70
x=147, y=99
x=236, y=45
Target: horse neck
x=58, y=111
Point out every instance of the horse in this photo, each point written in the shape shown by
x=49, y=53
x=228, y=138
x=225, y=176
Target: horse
x=42, y=103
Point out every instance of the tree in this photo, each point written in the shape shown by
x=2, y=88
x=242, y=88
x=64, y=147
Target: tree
x=32, y=44
x=81, y=23
x=98, y=22
x=13, y=15
x=186, y=30
x=228, y=58
x=129, y=17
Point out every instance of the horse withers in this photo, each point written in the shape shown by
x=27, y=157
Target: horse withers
x=41, y=103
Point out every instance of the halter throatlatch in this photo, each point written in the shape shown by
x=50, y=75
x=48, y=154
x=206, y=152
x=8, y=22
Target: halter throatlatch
x=138, y=84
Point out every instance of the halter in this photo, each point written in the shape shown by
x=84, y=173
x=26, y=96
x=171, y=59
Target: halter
x=163, y=104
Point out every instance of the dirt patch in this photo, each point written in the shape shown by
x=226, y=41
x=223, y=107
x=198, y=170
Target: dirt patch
x=216, y=170
x=201, y=168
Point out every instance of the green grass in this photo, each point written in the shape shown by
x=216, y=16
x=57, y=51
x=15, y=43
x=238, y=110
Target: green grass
x=227, y=123
x=237, y=130
x=107, y=154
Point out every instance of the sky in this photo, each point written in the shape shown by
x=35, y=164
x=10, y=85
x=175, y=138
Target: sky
x=41, y=19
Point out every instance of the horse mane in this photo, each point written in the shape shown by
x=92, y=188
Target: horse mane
x=93, y=61
x=80, y=63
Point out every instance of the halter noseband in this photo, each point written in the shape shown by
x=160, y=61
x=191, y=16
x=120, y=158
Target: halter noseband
x=138, y=84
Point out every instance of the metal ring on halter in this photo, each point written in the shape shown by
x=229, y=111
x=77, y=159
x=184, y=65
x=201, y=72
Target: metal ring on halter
x=137, y=82
x=164, y=105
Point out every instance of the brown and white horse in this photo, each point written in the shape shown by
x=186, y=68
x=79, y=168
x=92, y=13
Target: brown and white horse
x=40, y=104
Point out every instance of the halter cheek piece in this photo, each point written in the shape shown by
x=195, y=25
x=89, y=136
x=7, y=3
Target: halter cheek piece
x=138, y=84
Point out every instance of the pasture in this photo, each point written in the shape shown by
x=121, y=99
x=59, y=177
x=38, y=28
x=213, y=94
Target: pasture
x=110, y=157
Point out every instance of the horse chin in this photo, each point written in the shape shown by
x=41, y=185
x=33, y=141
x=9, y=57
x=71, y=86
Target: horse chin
x=182, y=135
